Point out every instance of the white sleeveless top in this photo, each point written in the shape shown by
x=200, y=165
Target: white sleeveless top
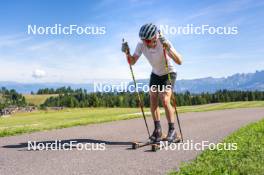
x=155, y=57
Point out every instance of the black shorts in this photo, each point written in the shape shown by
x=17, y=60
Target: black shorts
x=162, y=81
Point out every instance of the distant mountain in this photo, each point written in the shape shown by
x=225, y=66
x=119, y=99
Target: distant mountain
x=248, y=81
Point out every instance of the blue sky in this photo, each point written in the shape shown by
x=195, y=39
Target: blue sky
x=83, y=58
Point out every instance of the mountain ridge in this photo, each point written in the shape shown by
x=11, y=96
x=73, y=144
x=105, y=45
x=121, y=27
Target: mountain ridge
x=238, y=81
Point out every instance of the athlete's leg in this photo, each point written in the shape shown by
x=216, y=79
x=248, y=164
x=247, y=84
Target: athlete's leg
x=169, y=110
x=155, y=111
x=166, y=99
x=154, y=105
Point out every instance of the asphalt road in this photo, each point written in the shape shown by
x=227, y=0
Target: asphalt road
x=117, y=158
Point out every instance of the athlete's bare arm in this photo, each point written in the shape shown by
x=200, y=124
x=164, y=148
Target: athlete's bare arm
x=133, y=59
x=175, y=56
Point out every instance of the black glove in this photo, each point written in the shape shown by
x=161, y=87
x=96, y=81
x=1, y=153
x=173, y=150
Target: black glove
x=164, y=41
x=125, y=47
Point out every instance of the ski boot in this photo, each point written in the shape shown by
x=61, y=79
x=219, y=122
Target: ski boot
x=171, y=136
x=157, y=135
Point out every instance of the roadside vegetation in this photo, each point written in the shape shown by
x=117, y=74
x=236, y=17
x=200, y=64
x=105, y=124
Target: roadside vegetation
x=51, y=119
x=247, y=159
x=65, y=107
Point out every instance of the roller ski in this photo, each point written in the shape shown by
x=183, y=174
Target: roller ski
x=171, y=138
x=136, y=145
x=156, y=137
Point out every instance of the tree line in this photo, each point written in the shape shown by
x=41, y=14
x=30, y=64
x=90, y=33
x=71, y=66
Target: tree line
x=61, y=90
x=80, y=98
x=11, y=98
x=68, y=97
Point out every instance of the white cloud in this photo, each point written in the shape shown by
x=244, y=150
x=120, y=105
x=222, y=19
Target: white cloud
x=12, y=40
x=64, y=62
x=38, y=73
x=216, y=10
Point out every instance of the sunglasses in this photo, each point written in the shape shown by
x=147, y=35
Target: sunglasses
x=147, y=41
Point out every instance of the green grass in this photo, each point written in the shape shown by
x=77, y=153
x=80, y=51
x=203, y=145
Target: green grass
x=37, y=99
x=221, y=106
x=247, y=159
x=46, y=120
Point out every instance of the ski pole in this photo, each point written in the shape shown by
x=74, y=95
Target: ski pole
x=135, y=84
x=173, y=96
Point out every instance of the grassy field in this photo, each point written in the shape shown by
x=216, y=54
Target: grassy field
x=46, y=120
x=247, y=159
x=221, y=106
x=37, y=99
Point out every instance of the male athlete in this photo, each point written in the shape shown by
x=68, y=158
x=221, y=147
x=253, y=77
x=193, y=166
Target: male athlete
x=151, y=45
